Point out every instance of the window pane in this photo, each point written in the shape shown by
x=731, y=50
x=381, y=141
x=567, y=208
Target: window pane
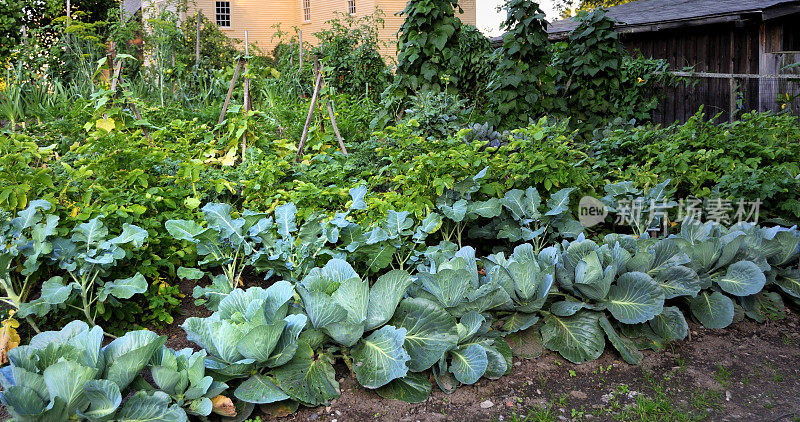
x=222, y=11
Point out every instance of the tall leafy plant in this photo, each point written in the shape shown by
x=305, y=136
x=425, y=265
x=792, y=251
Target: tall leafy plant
x=350, y=51
x=592, y=70
x=427, y=49
x=522, y=82
x=475, y=51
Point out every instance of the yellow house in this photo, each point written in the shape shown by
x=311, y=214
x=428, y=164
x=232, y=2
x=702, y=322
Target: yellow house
x=258, y=17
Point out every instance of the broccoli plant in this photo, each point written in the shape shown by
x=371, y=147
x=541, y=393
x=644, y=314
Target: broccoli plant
x=27, y=237
x=88, y=257
x=274, y=245
x=224, y=243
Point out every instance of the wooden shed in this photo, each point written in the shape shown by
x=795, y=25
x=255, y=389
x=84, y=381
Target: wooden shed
x=738, y=50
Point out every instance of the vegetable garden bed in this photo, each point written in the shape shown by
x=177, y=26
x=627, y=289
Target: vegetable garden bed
x=425, y=315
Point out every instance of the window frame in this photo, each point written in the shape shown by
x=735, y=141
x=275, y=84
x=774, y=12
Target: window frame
x=306, y=10
x=220, y=7
x=351, y=7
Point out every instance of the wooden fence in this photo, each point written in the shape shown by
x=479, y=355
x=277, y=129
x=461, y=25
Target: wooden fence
x=729, y=95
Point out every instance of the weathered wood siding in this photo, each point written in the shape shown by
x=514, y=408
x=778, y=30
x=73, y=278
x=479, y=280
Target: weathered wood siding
x=717, y=48
x=740, y=48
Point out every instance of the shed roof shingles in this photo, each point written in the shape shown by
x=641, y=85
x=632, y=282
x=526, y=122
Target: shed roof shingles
x=645, y=12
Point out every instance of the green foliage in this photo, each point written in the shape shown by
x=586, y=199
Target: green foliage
x=10, y=33
x=87, y=257
x=450, y=315
x=473, y=73
x=428, y=48
x=350, y=53
x=436, y=114
x=521, y=82
x=588, y=79
x=68, y=375
x=23, y=171
x=217, y=50
x=641, y=80
x=568, y=7
x=415, y=170
x=592, y=64
x=751, y=159
x=451, y=240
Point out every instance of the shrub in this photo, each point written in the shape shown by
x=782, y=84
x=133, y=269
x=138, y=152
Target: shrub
x=350, y=54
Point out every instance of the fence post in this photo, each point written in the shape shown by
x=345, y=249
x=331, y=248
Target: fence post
x=732, y=102
x=300, y=31
x=197, y=43
x=246, y=99
x=69, y=19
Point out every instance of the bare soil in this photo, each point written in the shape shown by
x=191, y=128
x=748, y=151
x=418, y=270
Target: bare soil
x=748, y=372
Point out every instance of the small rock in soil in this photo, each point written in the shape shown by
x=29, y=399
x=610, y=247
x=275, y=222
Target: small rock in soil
x=486, y=404
x=580, y=395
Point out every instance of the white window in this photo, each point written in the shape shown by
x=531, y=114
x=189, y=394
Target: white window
x=307, y=10
x=351, y=7
x=223, y=13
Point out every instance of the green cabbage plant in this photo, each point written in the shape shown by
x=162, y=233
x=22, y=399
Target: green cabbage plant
x=527, y=279
x=728, y=264
x=596, y=284
x=181, y=375
x=250, y=335
x=447, y=327
x=68, y=375
x=343, y=306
